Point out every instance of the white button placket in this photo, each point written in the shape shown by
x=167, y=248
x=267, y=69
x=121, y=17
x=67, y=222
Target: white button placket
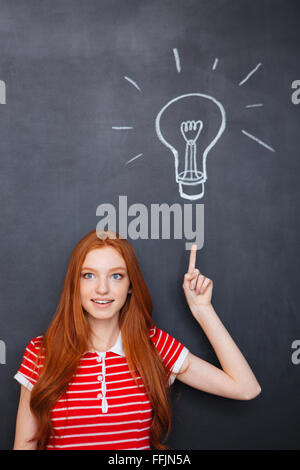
x=101, y=379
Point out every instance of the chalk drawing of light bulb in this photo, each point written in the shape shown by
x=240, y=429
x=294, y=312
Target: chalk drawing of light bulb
x=190, y=125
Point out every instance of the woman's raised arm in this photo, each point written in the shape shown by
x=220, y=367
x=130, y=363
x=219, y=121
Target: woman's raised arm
x=235, y=380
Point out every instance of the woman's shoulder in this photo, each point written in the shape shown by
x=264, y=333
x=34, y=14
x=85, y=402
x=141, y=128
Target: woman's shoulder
x=163, y=339
x=38, y=339
x=157, y=334
x=35, y=344
x=152, y=331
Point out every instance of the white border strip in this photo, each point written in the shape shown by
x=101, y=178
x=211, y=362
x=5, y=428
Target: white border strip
x=177, y=366
x=23, y=381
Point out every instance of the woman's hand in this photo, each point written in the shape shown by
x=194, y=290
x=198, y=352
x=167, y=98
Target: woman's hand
x=197, y=288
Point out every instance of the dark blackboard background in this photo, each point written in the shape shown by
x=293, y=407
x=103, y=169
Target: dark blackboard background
x=64, y=64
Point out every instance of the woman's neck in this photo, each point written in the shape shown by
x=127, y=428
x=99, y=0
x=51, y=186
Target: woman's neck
x=103, y=335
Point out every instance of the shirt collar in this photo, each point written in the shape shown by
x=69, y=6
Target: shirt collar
x=117, y=348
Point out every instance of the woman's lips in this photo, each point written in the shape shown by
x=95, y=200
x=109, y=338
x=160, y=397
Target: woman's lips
x=105, y=305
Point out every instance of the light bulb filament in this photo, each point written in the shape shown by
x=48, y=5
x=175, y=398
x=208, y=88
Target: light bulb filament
x=190, y=131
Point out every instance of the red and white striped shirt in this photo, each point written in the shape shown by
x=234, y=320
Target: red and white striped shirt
x=102, y=407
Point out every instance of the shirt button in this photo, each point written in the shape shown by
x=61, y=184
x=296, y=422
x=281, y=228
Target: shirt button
x=100, y=378
x=99, y=359
x=99, y=395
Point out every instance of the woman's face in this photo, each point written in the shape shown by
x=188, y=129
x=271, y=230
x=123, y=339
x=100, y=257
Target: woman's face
x=104, y=277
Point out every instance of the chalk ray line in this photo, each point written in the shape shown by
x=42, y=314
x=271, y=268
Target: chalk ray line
x=134, y=158
x=215, y=63
x=177, y=60
x=249, y=74
x=256, y=105
x=133, y=83
x=121, y=127
x=257, y=140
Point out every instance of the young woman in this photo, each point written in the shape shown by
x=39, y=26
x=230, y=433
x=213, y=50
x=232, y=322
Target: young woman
x=100, y=377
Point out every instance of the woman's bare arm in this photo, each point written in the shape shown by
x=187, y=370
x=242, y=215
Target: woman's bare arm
x=26, y=425
x=235, y=380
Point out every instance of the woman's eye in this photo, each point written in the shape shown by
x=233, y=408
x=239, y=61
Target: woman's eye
x=117, y=274
x=90, y=276
x=87, y=274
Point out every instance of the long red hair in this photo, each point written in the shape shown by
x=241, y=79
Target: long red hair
x=67, y=339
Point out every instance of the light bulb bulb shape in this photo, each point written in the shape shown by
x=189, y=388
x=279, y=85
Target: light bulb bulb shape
x=195, y=118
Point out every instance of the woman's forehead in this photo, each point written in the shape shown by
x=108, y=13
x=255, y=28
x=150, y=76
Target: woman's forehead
x=106, y=256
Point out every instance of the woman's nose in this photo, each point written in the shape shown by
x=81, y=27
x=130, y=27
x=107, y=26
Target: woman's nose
x=102, y=286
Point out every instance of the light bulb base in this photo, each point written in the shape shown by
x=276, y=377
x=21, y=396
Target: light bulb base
x=191, y=191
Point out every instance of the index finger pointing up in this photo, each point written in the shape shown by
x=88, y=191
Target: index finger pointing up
x=192, y=261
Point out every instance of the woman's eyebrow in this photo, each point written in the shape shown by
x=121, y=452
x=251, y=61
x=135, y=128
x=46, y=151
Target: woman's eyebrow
x=112, y=269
